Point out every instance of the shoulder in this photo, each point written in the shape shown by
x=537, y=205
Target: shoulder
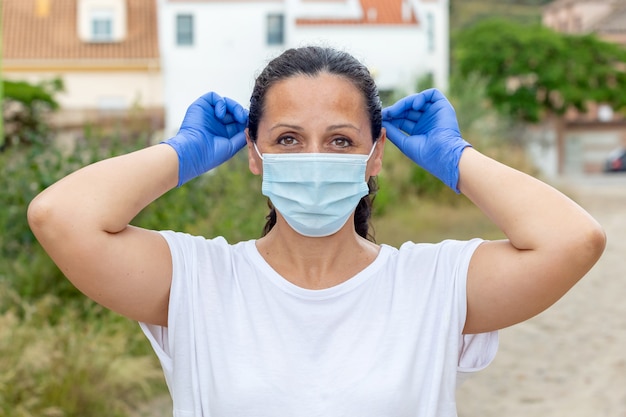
x=183, y=242
x=191, y=252
x=451, y=252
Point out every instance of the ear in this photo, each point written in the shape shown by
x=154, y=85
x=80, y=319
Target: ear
x=254, y=162
x=375, y=163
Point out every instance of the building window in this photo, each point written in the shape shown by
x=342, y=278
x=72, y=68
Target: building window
x=184, y=29
x=98, y=20
x=430, y=32
x=101, y=26
x=275, y=29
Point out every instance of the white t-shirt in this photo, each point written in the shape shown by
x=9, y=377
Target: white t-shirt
x=242, y=341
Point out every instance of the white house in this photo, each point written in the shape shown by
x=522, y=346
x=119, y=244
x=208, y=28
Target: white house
x=221, y=45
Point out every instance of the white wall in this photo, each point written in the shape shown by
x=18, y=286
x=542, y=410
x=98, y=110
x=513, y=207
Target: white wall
x=230, y=48
x=439, y=59
x=394, y=55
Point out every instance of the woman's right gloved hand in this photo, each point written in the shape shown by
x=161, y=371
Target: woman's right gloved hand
x=212, y=132
x=424, y=127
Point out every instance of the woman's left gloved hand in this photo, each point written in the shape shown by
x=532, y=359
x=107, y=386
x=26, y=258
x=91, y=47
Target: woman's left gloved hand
x=424, y=127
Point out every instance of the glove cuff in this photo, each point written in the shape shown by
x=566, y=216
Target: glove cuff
x=186, y=171
x=453, y=181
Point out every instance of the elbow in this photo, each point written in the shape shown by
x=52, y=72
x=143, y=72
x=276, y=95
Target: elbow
x=37, y=215
x=596, y=238
x=590, y=245
x=41, y=218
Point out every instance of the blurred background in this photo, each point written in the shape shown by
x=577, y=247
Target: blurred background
x=539, y=85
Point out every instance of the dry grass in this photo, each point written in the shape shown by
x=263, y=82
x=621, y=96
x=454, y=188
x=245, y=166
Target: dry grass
x=69, y=366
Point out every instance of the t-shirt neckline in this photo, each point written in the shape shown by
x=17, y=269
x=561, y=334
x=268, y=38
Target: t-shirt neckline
x=358, y=279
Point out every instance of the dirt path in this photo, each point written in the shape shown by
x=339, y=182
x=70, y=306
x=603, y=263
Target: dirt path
x=570, y=360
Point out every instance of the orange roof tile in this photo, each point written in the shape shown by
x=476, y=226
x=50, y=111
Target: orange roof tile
x=375, y=12
x=27, y=36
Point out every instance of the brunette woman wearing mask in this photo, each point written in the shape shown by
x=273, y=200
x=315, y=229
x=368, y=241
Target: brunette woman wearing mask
x=314, y=318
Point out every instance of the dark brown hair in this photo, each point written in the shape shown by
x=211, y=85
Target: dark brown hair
x=311, y=61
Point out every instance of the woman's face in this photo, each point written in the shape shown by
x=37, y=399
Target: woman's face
x=325, y=113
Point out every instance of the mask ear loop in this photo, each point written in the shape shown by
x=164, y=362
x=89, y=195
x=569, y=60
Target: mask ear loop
x=372, y=151
x=257, y=151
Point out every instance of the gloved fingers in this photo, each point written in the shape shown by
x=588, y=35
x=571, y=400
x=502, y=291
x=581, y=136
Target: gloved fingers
x=233, y=129
x=230, y=127
x=413, y=123
x=226, y=148
x=432, y=95
x=409, y=145
x=214, y=103
x=395, y=135
x=238, y=141
x=408, y=105
x=239, y=113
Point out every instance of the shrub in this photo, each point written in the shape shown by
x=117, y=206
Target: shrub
x=24, y=109
x=225, y=202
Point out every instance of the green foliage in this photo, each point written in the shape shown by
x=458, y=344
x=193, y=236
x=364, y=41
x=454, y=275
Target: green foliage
x=532, y=70
x=24, y=109
x=28, y=172
x=69, y=367
x=225, y=202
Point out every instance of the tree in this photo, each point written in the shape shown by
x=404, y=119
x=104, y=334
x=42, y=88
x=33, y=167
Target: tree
x=24, y=108
x=533, y=72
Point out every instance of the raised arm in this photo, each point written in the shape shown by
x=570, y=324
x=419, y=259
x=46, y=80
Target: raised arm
x=552, y=242
x=82, y=221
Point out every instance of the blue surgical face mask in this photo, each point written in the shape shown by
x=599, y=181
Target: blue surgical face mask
x=315, y=192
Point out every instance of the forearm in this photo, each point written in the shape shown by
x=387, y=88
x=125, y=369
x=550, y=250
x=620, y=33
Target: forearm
x=107, y=195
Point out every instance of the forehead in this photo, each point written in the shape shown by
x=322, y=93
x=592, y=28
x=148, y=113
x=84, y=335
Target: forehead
x=323, y=93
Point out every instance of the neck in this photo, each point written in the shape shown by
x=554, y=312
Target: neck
x=316, y=263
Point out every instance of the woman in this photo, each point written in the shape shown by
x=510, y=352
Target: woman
x=313, y=318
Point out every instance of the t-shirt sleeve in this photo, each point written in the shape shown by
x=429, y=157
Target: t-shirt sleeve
x=158, y=336
x=476, y=351
x=444, y=267
x=183, y=250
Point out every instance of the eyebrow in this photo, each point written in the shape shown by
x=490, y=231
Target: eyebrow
x=329, y=128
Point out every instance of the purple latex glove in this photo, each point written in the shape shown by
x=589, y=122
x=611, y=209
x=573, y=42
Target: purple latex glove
x=212, y=132
x=424, y=127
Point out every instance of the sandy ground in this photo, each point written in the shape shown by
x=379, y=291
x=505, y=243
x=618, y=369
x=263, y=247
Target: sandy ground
x=570, y=360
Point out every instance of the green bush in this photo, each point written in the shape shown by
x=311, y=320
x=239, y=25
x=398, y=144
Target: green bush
x=24, y=108
x=225, y=202
x=29, y=170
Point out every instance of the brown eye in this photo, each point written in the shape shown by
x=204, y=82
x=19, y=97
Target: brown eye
x=287, y=140
x=342, y=142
